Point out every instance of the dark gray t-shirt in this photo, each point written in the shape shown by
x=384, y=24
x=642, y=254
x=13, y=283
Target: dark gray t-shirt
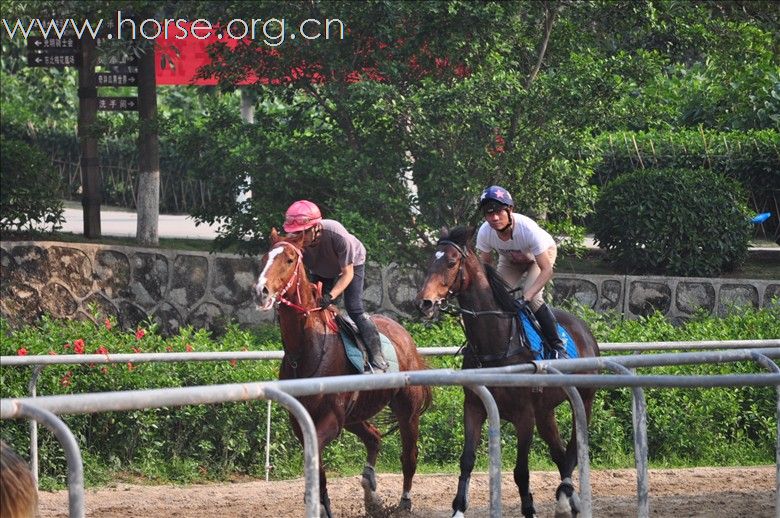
x=335, y=249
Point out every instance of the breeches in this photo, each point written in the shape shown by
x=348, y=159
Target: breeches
x=517, y=275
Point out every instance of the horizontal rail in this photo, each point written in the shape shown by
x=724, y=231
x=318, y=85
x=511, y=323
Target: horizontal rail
x=69, y=359
x=179, y=396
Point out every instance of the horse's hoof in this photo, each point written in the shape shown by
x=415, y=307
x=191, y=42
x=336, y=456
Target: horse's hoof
x=405, y=504
x=567, y=503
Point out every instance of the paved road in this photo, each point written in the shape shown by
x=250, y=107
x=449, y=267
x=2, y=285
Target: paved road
x=121, y=223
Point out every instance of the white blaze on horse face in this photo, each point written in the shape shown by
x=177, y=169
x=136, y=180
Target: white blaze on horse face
x=438, y=255
x=263, y=279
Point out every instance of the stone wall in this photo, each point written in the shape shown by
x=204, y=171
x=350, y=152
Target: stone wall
x=176, y=288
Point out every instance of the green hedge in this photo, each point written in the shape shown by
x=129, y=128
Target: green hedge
x=212, y=442
x=673, y=222
x=30, y=194
x=750, y=157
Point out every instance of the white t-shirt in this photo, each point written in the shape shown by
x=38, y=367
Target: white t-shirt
x=527, y=237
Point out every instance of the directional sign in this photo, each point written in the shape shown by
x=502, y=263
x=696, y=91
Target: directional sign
x=118, y=104
x=35, y=59
x=64, y=45
x=111, y=79
x=123, y=69
x=111, y=61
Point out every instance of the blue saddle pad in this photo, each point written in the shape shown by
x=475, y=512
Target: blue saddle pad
x=355, y=354
x=535, y=341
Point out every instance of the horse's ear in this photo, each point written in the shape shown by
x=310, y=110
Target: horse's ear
x=444, y=233
x=471, y=231
x=274, y=236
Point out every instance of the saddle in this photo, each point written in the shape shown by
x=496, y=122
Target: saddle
x=532, y=337
x=355, y=347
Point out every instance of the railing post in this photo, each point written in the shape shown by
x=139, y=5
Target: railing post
x=639, y=421
x=72, y=454
x=32, y=387
x=581, y=428
x=494, y=446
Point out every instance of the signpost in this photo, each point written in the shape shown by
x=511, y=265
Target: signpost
x=36, y=59
x=116, y=79
x=117, y=104
x=53, y=52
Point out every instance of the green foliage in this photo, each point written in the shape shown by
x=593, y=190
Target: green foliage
x=30, y=196
x=677, y=222
x=752, y=157
x=210, y=442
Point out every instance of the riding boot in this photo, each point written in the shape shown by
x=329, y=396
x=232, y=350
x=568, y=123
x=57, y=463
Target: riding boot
x=370, y=336
x=549, y=326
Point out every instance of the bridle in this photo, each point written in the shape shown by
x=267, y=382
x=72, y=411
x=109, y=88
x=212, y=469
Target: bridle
x=294, y=278
x=460, y=279
x=513, y=347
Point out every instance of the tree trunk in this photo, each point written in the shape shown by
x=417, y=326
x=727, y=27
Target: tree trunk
x=148, y=201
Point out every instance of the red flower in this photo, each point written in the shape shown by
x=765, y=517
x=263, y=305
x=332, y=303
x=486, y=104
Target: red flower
x=104, y=370
x=130, y=366
x=78, y=346
x=108, y=324
x=66, y=346
x=169, y=348
x=101, y=350
x=233, y=363
x=188, y=347
x=65, y=381
x=140, y=333
x=136, y=350
x=21, y=351
x=53, y=353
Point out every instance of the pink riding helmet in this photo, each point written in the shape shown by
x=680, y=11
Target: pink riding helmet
x=301, y=215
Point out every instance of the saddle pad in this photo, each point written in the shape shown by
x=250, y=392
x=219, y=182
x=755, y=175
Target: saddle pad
x=535, y=341
x=355, y=354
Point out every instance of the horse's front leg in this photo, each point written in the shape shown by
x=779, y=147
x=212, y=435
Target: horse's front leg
x=474, y=415
x=371, y=438
x=567, y=502
x=524, y=428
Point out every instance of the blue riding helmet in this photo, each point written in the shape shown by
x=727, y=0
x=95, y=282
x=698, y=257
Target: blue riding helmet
x=497, y=194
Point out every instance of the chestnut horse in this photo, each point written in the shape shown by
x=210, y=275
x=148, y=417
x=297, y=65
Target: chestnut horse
x=313, y=348
x=490, y=323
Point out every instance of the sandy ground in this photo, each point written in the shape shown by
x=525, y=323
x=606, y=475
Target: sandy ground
x=701, y=492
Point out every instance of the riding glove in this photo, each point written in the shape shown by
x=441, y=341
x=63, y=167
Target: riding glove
x=326, y=301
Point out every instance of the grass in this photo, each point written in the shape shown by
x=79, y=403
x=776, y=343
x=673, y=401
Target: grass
x=759, y=264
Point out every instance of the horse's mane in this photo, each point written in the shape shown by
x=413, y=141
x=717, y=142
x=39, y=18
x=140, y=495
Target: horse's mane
x=501, y=290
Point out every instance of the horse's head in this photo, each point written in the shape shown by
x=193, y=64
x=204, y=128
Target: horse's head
x=445, y=275
x=278, y=270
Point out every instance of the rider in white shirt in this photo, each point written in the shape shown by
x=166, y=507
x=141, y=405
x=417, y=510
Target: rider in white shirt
x=526, y=254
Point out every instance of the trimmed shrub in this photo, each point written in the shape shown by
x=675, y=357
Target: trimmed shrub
x=30, y=196
x=673, y=222
x=751, y=157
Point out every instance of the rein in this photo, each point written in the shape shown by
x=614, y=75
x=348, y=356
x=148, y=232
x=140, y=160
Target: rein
x=451, y=291
x=295, y=277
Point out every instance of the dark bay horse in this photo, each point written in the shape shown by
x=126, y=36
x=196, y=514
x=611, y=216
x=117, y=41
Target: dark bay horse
x=313, y=348
x=489, y=320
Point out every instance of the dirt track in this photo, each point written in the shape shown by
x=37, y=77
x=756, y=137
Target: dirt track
x=701, y=492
